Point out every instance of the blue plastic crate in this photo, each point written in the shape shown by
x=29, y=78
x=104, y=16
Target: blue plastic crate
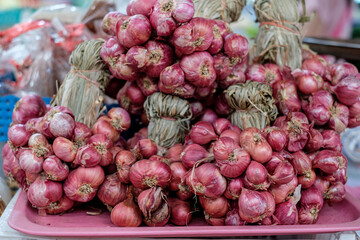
x=7, y=104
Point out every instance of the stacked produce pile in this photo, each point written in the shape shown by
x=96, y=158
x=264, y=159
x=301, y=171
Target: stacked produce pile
x=280, y=174
x=159, y=46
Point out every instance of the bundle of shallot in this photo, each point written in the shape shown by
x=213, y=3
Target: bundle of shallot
x=83, y=88
x=228, y=11
x=279, y=37
x=169, y=119
x=252, y=103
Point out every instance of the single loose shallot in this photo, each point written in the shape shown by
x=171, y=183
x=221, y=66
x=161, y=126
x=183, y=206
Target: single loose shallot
x=202, y=133
x=234, y=188
x=180, y=211
x=150, y=173
x=82, y=183
x=55, y=169
x=124, y=160
x=257, y=146
x=42, y=192
x=252, y=206
x=201, y=181
x=199, y=69
x=112, y=191
x=217, y=207
x=126, y=213
x=154, y=207
x=29, y=106
x=18, y=135
x=135, y=30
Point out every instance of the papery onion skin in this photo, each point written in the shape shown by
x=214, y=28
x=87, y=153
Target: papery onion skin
x=234, y=188
x=153, y=204
x=18, y=135
x=103, y=126
x=161, y=18
x=286, y=213
x=283, y=191
x=257, y=146
x=274, y=161
x=354, y=116
x=124, y=160
x=55, y=169
x=307, y=180
x=340, y=71
x=315, y=65
x=143, y=7
x=252, y=206
x=233, y=218
x=331, y=140
x=296, y=126
x=30, y=162
x=112, y=191
x=270, y=203
x=235, y=165
x=42, y=192
x=336, y=192
x=134, y=31
x=233, y=134
x=29, y=106
x=62, y=125
x=283, y=173
x=339, y=119
x=145, y=148
x=87, y=156
x=81, y=134
x=183, y=11
x=64, y=149
x=209, y=116
x=218, y=41
x=150, y=173
x=301, y=162
x=199, y=69
x=285, y=93
x=180, y=212
x=61, y=206
x=216, y=208
x=319, y=107
x=276, y=137
x=137, y=57
x=316, y=140
x=202, y=178
x=194, y=153
x=236, y=46
x=214, y=221
x=178, y=173
x=161, y=56
x=126, y=214
x=111, y=51
x=329, y=161
x=202, y=133
x=82, y=183
x=347, y=90
x=174, y=153
x=256, y=173
x=171, y=77
x=109, y=22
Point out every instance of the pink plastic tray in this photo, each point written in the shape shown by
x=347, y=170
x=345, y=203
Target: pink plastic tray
x=344, y=216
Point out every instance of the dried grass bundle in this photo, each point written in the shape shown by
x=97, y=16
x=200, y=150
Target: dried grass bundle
x=227, y=10
x=169, y=118
x=83, y=88
x=279, y=39
x=253, y=104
